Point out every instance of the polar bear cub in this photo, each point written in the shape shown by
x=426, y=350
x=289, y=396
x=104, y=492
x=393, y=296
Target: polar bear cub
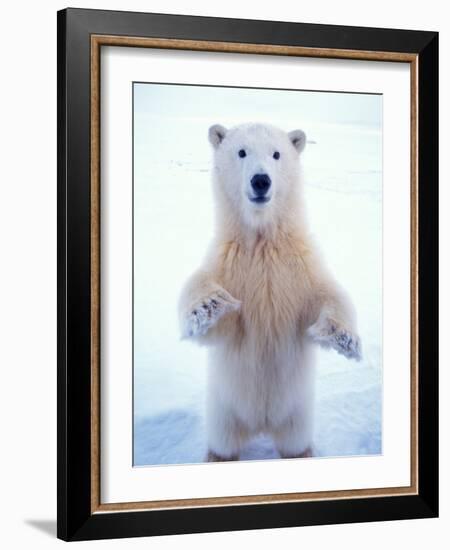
x=263, y=297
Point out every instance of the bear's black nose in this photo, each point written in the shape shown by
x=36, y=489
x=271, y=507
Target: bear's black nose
x=260, y=184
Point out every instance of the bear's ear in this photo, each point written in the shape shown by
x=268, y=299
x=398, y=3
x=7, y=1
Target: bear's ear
x=216, y=134
x=298, y=139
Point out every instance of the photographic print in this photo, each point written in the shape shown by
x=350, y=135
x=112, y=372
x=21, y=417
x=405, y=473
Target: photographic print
x=257, y=274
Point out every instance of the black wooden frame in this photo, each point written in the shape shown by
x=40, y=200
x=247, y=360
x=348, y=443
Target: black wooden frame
x=75, y=521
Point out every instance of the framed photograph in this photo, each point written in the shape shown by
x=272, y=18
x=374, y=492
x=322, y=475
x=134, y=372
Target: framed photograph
x=247, y=271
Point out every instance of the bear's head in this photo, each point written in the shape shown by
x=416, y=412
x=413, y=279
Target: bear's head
x=256, y=171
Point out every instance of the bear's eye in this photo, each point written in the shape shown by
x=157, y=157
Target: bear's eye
x=242, y=153
x=276, y=155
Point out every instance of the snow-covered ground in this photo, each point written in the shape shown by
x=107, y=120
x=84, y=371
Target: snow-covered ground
x=173, y=225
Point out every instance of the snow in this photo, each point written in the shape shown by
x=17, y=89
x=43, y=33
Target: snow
x=173, y=215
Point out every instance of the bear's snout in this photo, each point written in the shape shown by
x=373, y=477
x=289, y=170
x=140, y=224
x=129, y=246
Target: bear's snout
x=260, y=184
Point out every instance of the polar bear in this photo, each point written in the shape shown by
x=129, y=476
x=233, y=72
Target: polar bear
x=263, y=297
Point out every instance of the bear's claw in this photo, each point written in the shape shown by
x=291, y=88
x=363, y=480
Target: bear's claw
x=206, y=314
x=330, y=335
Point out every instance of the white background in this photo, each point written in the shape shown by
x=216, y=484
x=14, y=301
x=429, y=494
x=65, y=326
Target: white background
x=28, y=275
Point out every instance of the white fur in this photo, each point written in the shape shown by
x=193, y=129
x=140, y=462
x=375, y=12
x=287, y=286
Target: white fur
x=263, y=297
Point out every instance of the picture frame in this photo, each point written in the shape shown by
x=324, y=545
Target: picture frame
x=81, y=36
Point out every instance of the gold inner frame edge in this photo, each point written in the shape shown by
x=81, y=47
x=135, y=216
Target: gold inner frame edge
x=263, y=49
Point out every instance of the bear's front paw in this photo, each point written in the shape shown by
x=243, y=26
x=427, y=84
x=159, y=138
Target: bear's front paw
x=330, y=334
x=207, y=312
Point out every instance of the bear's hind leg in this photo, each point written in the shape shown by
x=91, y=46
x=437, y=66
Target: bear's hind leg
x=294, y=438
x=226, y=435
